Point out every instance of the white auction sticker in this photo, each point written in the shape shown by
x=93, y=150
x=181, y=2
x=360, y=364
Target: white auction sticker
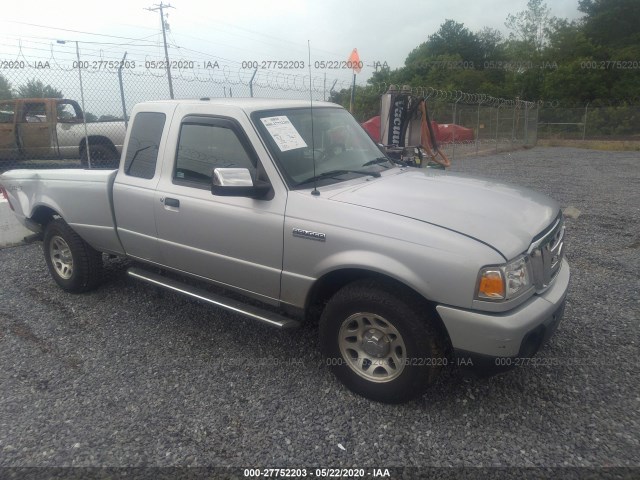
x=284, y=133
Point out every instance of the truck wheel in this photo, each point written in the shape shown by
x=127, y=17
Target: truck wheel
x=72, y=262
x=380, y=341
x=102, y=156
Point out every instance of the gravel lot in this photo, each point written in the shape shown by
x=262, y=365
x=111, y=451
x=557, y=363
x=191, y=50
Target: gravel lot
x=129, y=376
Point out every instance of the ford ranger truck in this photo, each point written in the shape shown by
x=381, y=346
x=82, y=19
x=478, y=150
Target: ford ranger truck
x=406, y=270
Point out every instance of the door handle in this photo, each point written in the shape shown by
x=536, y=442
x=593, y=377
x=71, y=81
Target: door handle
x=172, y=202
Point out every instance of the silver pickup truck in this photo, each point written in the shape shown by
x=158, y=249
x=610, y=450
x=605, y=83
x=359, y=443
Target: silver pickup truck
x=406, y=270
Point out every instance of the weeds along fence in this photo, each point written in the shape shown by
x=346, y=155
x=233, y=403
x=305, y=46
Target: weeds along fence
x=590, y=122
x=44, y=136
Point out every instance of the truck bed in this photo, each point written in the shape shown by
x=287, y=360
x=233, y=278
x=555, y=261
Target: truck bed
x=82, y=197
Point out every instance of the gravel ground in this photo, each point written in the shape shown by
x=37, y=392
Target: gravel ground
x=129, y=376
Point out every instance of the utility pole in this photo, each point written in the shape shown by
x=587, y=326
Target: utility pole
x=159, y=8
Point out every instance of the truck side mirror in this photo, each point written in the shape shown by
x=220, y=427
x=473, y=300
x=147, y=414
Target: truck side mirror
x=237, y=182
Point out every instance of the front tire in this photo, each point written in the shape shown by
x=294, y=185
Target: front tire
x=381, y=341
x=74, y=265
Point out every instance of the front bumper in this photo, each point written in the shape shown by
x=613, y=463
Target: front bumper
x=486, y=338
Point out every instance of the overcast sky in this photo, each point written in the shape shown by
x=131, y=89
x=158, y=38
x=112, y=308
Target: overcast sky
x=247, y=30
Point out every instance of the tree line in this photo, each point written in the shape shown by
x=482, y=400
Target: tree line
x=594, y=59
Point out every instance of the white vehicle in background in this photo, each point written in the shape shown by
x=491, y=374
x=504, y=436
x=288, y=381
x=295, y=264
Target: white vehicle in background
x=53, y=128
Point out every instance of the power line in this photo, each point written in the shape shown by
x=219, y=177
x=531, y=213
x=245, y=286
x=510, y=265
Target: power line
x=152, y=44
x=75, y=31
x=297, y=45
x=160, y=8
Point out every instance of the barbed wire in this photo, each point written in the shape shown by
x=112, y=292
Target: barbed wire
x=189, y=70
x=62, y=57
x=450, y=96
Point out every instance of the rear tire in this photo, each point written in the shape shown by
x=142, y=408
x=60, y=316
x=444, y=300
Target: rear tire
x=74, y=265
x=381, y=341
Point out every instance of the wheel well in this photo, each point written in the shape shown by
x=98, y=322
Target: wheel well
x=43, y=215
x=97, y=140
x=329, y=284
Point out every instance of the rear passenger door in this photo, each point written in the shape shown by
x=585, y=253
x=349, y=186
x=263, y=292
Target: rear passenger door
x=36, y=128
x=135, y=185
x=235, y=241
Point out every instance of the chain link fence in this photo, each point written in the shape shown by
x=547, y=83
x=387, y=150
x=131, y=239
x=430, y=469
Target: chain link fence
x=497, y=125
x=53, y=106
x=469, y=124
x=590, y=122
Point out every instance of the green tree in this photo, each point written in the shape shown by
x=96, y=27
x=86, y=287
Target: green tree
x=611, y=26
x=567, y=41
x=452, y=58
x=571, y=82
x=530, y=27
x=613, y=23
x=593, y=60
x=491, y=44
x=452, y=38
x=36, y=89
x=525, y=50
x=5, y=88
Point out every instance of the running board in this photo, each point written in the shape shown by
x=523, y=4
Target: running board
x=255, y=313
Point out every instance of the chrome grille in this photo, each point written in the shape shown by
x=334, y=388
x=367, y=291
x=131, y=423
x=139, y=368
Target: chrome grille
x=546, y=256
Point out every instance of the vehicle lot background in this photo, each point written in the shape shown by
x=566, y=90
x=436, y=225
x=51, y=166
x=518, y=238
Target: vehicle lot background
x=128, y=376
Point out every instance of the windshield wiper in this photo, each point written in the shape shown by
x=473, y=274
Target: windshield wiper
x=334, y=173
x=378, y=160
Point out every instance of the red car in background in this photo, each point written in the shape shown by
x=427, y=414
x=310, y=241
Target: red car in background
x=445, y=133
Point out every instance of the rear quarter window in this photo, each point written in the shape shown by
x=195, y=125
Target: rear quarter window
x=144, y=143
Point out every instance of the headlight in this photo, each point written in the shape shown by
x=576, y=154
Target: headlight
x=504, y=282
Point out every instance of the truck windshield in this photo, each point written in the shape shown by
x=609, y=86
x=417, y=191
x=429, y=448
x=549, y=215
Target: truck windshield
x=341, y=148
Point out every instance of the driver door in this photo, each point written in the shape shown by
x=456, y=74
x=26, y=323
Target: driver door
x=235, y=241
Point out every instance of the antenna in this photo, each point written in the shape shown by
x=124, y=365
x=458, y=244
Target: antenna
x=313, y=142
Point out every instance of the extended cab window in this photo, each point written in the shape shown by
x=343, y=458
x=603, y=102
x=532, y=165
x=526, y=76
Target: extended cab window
x=35, y=112
x=6, y=112
x=205, y=146
x=144, y=142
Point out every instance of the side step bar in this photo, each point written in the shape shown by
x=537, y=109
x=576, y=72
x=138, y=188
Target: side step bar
x=255, y=313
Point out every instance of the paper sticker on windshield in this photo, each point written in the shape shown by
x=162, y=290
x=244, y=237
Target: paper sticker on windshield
x=284, y=133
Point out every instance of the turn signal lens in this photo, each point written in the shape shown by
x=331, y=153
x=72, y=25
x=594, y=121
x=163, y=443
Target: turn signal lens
x=491, y=285
x=505, y=282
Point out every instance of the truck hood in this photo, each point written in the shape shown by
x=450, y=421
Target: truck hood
x=503, y=216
